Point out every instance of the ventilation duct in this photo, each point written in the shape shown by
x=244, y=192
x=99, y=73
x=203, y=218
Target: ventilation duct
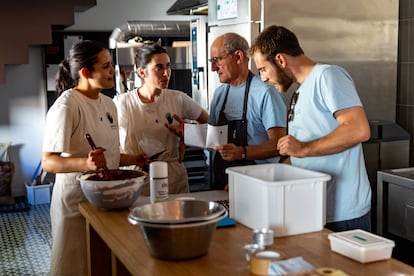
x=144, y=29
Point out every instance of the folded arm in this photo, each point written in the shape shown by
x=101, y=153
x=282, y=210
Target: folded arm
x=353, y=129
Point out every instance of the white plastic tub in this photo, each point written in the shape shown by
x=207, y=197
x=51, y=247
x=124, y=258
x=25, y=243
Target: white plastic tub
x=361, y=246
x=287, y=199
x=39, y=194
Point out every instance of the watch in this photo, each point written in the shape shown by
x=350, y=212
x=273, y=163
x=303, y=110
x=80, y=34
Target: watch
x=244, y=154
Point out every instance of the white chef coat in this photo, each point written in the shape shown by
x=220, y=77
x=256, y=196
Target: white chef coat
x=68, y=120
x=138, y=121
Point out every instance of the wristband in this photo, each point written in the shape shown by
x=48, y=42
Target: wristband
x=244, y=154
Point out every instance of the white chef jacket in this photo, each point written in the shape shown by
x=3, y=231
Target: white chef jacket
x=68, y=120
x=138, y=121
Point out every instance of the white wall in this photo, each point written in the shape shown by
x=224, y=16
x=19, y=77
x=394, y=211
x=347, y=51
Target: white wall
x=23, y=95
x=23, y=109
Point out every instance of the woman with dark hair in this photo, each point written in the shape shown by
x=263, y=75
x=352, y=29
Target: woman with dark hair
x=79, y=109
x=144, y=112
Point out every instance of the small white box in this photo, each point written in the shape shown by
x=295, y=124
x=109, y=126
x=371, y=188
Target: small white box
x=287, y=199
x=38, y=194
x=361, y=246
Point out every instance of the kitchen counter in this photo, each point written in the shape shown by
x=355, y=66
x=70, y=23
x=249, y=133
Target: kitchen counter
x=115, y=247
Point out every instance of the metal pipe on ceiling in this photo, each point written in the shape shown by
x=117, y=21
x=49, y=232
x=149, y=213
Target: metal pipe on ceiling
x=148, y=28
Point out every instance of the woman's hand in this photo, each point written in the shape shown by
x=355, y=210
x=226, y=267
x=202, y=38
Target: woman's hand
x=96, y=159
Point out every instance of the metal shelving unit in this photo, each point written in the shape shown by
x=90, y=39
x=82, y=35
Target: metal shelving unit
x=198, y=169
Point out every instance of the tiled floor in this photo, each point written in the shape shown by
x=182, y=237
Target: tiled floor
x=25, y=242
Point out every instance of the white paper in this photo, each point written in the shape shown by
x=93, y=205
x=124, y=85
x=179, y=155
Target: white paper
x=205, y=135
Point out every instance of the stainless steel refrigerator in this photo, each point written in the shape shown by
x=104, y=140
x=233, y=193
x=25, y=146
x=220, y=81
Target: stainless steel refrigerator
x=361, y=36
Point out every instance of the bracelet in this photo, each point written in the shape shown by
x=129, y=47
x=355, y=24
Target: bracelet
x=244, y=154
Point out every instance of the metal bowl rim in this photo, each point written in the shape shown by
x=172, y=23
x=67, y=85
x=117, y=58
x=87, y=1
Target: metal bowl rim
x=209, y=217
x=178, y=225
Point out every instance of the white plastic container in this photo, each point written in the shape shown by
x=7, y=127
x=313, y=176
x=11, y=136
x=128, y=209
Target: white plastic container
x=158, y=181
x=361, y=246
x=39, y=194
x=287, y=199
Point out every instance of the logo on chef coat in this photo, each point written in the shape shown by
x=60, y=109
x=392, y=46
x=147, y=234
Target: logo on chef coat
x=109, y=117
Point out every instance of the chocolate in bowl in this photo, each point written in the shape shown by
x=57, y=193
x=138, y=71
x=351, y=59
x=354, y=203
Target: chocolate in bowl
x=115, y=175
x=121, y=191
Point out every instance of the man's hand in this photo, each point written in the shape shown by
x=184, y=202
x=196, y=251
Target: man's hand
x=289, y=145
x=177, y=129
x=229, y=152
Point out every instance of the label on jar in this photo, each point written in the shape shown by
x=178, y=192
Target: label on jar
x=158, y=189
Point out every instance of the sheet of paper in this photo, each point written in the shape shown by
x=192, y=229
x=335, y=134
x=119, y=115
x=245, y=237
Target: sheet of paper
x=216, y=135
x=195, y=135
x=205, y=135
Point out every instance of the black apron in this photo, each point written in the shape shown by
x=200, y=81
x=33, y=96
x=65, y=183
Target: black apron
x=237, y=134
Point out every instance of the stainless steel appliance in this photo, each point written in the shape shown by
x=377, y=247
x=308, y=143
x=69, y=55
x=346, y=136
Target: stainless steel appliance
x=239, y=16
x=387, y=148
x=396, y=202
x=198, y=37
x=395, y=210
x=360, y=36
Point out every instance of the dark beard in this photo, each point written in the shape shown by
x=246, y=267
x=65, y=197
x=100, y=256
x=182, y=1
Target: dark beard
x=284, y=82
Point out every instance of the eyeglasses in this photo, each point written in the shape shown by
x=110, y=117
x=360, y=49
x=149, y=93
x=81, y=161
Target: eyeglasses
x=293, y=101
x=218, y=60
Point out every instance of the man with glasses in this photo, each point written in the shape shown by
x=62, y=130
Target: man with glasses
x=255, y=112
x=326, y=127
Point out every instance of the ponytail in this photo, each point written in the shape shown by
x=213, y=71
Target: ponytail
x=64, y=79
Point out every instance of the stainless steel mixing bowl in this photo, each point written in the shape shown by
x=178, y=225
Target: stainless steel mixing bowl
x=176, y=241
x=177, y=211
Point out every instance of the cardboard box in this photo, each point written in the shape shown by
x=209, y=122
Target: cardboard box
x=39, y=194
x=287, y=199
x=361, y=246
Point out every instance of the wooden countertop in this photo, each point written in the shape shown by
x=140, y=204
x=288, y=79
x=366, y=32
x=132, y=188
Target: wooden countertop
x=226, y=255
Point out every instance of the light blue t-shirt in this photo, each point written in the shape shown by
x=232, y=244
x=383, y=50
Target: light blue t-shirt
x=327, y=89
x=266, y=108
